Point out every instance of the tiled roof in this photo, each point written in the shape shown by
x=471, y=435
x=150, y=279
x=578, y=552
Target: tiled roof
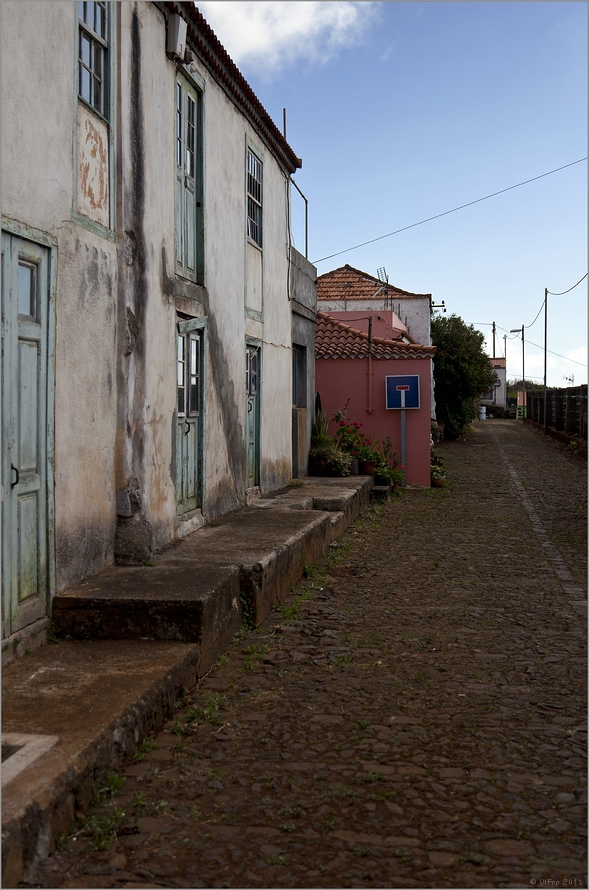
x=498, y=362
x=334, y=339
x=347, y=283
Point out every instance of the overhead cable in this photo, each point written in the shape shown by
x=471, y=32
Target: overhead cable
x=570, y=288
x=446, y=212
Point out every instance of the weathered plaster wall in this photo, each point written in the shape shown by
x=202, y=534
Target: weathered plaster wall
x=118, y=296
x=39, y=42
x=303, y=291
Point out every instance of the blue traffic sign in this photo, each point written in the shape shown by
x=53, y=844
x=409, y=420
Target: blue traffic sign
x=402, y=392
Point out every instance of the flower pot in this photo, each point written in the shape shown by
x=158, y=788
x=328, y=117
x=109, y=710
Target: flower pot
x=368, y=467
x=438, y=482
x=355, y=469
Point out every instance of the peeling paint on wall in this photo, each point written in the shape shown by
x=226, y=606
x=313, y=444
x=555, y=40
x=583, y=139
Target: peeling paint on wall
x=93, y=171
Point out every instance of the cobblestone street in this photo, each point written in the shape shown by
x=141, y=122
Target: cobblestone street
x=414, y=716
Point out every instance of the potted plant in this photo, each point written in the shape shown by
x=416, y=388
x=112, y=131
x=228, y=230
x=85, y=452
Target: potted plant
x=438, y=475
x=387, y=475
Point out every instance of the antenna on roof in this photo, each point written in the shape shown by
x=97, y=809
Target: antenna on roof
x=383, y=276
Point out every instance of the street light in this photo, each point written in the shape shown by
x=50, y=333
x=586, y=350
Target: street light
x=517, y=331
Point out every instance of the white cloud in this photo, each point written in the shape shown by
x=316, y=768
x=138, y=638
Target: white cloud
x=270, y=36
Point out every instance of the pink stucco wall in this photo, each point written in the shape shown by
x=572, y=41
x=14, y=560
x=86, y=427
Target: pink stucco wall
x=337, y=380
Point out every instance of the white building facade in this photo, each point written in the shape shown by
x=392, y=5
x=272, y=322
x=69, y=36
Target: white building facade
x=147, y=324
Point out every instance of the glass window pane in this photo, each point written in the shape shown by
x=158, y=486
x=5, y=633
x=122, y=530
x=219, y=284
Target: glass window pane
x=180, y=360
x=180, y=401
x=100, y=20
x=97, y=95
x=81, y=5
x=98, y=56
x=178, y=124
x=85, y=49
x=26, y=291
x=190, y=137
x=193, y=395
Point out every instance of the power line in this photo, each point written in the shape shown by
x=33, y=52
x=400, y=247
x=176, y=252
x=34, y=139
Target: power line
x=570, y=288
x=565, y=357
x=536, y=319
x=446, y=212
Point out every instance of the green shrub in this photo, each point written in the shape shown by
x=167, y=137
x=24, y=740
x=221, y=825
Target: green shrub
x=326, y=459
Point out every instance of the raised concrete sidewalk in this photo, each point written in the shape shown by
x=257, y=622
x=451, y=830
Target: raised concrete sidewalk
x=134, y=637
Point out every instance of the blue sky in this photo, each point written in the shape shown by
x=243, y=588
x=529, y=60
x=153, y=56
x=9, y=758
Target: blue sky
x=404, y=110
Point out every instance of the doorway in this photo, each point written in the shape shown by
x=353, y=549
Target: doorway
x=27, y=431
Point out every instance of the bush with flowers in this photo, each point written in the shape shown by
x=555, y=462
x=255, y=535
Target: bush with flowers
x=352, y=439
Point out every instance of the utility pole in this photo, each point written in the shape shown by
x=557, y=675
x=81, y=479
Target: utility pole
x=545, y=353
x=517, y=331
x=505, y=354
x=494, y=339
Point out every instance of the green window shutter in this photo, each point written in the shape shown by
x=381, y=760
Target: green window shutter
x=188, y=176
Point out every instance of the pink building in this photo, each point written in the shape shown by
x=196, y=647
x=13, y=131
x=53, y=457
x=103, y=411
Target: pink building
x=354, y=356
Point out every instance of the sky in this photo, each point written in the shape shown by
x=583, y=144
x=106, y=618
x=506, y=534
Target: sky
x=402, y=111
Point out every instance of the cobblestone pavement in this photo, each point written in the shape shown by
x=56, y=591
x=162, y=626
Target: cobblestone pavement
x=413, y=717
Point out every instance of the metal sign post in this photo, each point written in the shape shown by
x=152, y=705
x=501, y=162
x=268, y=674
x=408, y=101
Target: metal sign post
x=402, y=393
x=402, y=390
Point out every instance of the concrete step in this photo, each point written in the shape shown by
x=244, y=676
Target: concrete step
x=138, y=636
x=202, y=586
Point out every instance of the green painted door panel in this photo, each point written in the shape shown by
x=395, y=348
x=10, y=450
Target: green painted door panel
x=25, y=325
x=252, y=419
x=189, y=433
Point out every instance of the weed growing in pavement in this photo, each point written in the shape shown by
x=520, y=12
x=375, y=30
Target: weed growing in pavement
x=319, y=777
x=209, y=713
x=292, y=812
x=177, y=728
x=113, y=783
x=159, y=806
x=194, y=811
x=139, y=801
x=254, y=653
x=277, y=860
x=287, y=826
x=332, y=822
x=248, y=621
x=374, y=777
x=340, y=792
x=151, y=775
x=61, y=843
x=357, y=850
x=103, y=827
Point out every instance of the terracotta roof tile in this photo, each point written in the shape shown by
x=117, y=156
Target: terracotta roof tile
x=347, y=283
x=334, y=339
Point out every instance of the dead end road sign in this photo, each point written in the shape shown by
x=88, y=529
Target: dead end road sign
x=402, y=391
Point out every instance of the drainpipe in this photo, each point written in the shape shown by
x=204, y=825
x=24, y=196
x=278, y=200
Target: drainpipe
x=370, y=374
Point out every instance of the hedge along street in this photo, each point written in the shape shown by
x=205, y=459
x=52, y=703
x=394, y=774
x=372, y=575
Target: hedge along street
x=413, y=717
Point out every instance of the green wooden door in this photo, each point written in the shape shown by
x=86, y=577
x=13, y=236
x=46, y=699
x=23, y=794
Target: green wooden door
x=25, y=425
x=252, y=418
x=189, y=463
